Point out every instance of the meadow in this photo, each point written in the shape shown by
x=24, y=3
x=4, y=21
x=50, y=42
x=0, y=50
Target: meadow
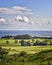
x=13, y=53
x=29, y=49
x=32, y=55
x=15, y=47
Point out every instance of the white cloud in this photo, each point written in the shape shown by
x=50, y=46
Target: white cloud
x=26, y=19
x=16, y=10
x=42, y=21
x=23, y=19
x=21, y=8
x=18, y=18
x=50, y=21
x=2, y=20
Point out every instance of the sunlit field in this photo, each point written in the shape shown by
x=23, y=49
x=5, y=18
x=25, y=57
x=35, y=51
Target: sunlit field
x=12, y=41
x=26, y=55
x=29, y=49
x=17, y=48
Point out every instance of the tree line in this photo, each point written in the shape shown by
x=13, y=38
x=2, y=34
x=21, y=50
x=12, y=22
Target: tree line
x=25, y=36
x=27, y=43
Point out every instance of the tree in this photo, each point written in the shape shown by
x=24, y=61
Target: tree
x=28, y=43
x=7, y=37
x=3, y=54
x=22, y=43
x=36, y=43
x=7, y=42
x=23, y=37
x=43, y=43
x=15, y=41
x=32, y=40
x=22, y=53
x=50, y=42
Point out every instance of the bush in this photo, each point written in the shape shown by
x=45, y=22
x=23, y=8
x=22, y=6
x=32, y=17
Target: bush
x=28, y=43
x=22, y=53
x=7, y=42
x=22, y=43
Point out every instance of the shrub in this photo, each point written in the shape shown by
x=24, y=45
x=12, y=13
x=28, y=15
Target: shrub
x=22, y=53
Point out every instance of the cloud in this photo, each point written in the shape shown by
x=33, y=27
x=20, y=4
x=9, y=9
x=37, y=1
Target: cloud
x=21, y=8
x=2, y=20
x=16, y=10
x=50, y=21
x=23, y=19
x=42, y=21
x=18, y=18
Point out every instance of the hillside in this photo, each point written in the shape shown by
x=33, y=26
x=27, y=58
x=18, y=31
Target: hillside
x=40, y=58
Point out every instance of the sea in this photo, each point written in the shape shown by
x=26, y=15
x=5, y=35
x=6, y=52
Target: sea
x=23, y=32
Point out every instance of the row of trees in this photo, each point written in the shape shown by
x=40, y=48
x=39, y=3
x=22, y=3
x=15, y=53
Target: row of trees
x=17, y=37
x=37, y=43
x=26, y=36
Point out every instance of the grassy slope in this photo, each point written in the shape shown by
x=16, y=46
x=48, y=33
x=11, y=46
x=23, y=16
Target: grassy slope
x=29, y=49
x=40, y=58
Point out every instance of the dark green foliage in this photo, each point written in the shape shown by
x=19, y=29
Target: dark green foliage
x=7, y=37
x=7, y=42
x=22, y=42
x=28, y=43
x=40, y=58
x=23, y=37
x=50, y=42
x=3, y=51
x=38, y=43
x=3, y=56
x=15, y=41
x=22, y=53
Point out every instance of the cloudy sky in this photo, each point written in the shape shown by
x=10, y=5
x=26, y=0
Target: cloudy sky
x=25, y=14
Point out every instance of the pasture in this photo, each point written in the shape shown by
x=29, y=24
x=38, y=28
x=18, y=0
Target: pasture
x=29, y=49
x=17, y=48
x=32, y=56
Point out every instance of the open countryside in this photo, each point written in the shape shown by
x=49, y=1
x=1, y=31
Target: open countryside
x=23, y=49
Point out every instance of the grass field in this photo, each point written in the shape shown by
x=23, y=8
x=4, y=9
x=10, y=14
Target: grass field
x=29, y=49
x=16, y=48
x=31, y=58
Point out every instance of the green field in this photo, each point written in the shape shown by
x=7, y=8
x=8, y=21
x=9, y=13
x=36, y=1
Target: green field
x=12, y=41
x=29, y=49
x=25, y=55
x=16, y=47
x=32, y=55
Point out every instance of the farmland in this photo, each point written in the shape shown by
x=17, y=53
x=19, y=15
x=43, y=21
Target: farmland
x=18, y=54
x=15, y=47
x=29, y=49
x=12, y=41
x=32, y=55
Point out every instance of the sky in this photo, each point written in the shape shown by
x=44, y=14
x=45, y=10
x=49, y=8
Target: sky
x=26, y=15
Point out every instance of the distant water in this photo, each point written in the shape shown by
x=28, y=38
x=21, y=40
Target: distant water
x=21, y=32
